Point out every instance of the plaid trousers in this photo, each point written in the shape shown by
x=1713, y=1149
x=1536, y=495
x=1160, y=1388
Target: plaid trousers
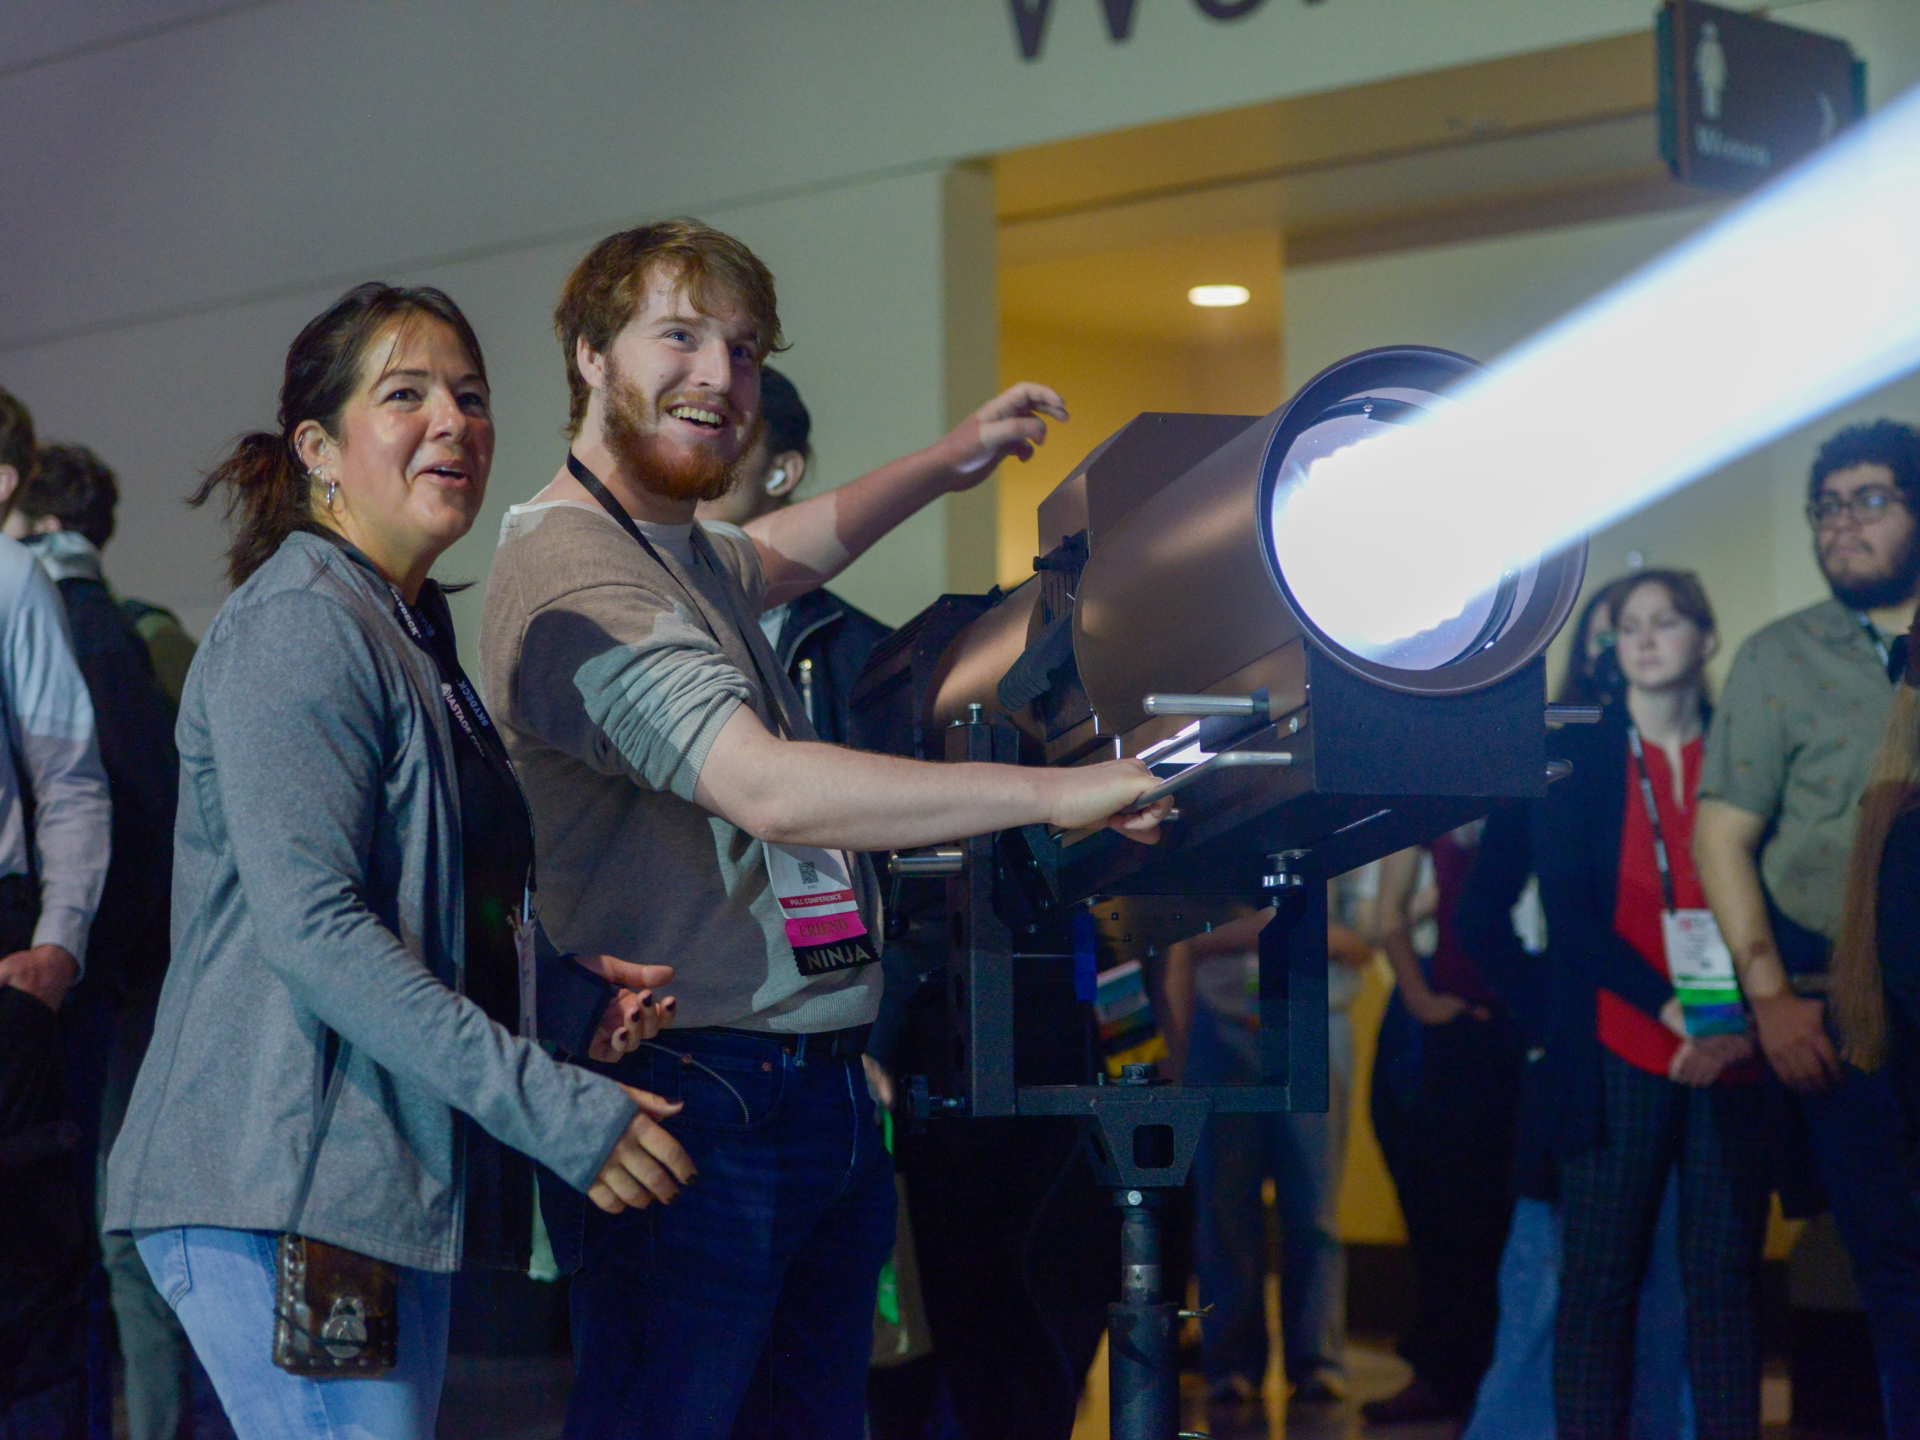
x=1610, y=1199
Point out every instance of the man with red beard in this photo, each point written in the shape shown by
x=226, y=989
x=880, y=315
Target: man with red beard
x=683, y=808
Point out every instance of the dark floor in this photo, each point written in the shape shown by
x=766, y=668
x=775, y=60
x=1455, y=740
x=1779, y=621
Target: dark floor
x=1374, y=1372
x=489, y=1398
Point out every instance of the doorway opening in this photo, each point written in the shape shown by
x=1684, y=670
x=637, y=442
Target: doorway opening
x=1101, y=239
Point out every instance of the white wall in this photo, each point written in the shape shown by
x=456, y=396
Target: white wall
x=159, y=400
x=186, y=181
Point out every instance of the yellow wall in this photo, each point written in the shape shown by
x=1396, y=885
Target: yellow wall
x=1369, y=1211
x=1106, y=381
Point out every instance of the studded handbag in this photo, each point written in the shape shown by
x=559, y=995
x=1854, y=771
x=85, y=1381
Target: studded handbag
x=335, y=1310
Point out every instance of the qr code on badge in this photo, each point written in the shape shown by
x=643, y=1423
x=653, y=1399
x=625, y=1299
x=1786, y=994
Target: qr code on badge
x=809, y=874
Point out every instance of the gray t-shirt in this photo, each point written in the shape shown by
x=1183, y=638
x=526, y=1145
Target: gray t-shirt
x=609, y=678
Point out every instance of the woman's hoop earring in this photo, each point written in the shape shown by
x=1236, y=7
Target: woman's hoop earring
x=333, y=487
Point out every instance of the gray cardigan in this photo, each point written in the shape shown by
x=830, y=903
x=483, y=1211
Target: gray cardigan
x=317, y=885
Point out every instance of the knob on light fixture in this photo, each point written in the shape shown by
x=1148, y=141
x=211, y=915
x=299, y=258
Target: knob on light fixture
x=1217, y=297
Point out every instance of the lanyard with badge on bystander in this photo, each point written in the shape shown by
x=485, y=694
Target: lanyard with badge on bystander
x=1698, y=960
x=813, y=885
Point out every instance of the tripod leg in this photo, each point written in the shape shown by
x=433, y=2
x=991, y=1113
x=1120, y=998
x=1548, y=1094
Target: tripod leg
x=1144, y=1383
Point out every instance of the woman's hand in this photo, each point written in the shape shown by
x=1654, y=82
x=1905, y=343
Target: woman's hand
x=647, y=1164
x=635, y=1014
x=631, y=1018
x=1102, y=794
x=1700, y=1062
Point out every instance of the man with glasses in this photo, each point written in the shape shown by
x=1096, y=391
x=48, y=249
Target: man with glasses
x=1786, y=764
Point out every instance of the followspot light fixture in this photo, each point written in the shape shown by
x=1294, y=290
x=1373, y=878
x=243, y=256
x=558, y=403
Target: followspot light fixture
x=1218, y=297
x=1805, y=297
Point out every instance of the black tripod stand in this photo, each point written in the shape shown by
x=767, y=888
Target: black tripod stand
x=1143, y=1131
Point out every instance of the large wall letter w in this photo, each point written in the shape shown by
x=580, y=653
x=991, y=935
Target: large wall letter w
x=1030, y=22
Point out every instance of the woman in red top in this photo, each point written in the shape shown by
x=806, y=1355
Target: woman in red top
x=1664, y=1100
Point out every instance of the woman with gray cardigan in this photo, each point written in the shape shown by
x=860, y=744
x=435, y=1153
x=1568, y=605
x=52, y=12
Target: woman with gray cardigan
x=343, y=1068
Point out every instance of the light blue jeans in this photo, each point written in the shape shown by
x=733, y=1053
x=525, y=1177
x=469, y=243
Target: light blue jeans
x=221, y=1285
x=1516, y=1397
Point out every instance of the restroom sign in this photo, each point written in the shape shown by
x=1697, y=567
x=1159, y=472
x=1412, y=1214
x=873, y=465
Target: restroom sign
x=1742, y=98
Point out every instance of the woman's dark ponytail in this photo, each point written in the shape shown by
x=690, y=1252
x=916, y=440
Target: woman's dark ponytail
x=267, y=499
x=268, y=495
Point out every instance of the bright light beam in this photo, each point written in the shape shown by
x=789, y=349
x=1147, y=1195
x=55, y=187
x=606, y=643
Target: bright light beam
x=1804, y=297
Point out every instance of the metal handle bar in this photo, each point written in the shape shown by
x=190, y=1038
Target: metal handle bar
x=1229, y=760
x=1254, y=706
x=926, y=864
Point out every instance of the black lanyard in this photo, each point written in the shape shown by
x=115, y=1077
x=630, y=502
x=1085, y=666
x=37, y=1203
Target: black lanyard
x=465, y=707
x=1875, y=638
x=1893, y=654
x=775, y=703
x=1653, y=817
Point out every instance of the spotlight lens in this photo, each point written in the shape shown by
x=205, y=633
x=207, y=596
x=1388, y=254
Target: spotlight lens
x=1218, y=297
x=1356, y=588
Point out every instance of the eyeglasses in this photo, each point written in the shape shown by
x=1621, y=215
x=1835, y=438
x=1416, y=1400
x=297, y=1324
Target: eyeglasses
x=1865, y=506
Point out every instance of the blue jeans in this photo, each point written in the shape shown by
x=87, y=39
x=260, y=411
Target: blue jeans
x=221, y=1285
x=1516, y=1398
x=1304, y=1155
x=1860, y=1142
x=744, y=1307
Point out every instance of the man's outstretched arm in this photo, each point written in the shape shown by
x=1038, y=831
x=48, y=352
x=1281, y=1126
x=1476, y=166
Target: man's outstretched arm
x=803, y=546
x=796, y=792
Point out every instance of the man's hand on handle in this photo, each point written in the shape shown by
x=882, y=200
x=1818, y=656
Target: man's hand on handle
x=1102, y=794
x=647, y=1164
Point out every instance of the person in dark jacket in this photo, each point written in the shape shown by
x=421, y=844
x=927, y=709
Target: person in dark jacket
x=132, y=718
x=64, y=513
x=1641, y=1089
x=1516, y=1397
x=1446, y=1079
x=73, y=492
x=821, y=640
x=56, y=1017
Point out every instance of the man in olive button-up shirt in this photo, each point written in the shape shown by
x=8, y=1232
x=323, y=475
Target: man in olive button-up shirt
x=1787, y=762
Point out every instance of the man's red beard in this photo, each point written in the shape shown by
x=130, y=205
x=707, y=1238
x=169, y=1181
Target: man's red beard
x=633, y=436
